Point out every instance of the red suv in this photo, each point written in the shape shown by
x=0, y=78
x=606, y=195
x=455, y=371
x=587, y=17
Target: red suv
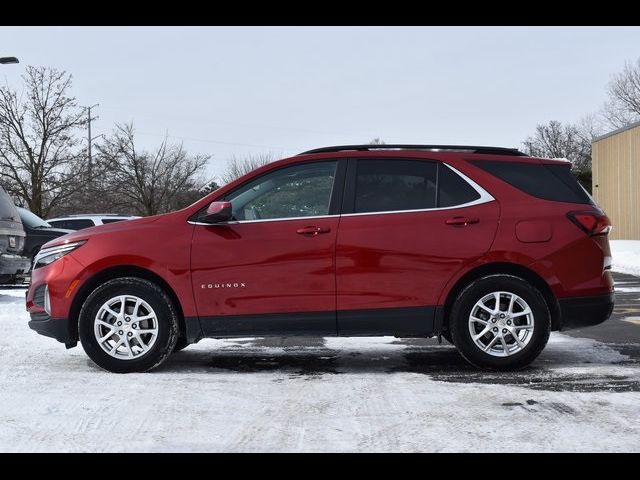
x=485, y=246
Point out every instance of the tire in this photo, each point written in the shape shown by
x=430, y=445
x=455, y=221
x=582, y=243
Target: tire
x=532, y=328
x=159, y=322
x=181, y=344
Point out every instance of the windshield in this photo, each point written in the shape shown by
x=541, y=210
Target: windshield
x=31, y=220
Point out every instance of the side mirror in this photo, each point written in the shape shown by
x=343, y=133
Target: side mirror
x=218, y=212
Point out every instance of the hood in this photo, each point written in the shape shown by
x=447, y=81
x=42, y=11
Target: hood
x=86, y=233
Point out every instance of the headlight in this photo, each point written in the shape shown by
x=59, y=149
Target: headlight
x=50, y=254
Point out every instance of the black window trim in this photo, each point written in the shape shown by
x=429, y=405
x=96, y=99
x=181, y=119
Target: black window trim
x=348, y=203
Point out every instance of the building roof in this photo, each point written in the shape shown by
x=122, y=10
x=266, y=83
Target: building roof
x=616, y=132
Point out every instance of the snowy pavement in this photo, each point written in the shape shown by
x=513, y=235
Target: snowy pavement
x=366, y=394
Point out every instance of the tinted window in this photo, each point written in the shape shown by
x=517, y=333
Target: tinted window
x=550, y=182
x=112, y=220
x=389, y=185
x=77, y=224
x=453, y=189
x=297, y=191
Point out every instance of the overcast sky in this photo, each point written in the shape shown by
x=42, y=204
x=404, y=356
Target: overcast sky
x=232, y=90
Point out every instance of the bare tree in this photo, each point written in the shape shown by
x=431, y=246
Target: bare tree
x=573, y=142
x=623, y=105
x=40, y=162
x=149, y=182
x=377, y=141
x=239, y=166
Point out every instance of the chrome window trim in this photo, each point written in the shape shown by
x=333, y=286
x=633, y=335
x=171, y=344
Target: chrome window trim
x=284, y=219
x=485, y=197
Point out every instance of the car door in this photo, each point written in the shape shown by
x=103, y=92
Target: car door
x=407, y=226
x=271, y=269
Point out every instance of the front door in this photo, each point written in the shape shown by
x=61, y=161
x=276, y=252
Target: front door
x=407, y=228
x=271, y=270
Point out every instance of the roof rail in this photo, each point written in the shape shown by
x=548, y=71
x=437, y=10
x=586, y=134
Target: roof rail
x=454, y=148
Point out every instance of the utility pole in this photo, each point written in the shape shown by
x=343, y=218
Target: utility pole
x=90, y=139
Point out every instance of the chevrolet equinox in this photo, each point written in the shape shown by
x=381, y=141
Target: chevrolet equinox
x=486, y=246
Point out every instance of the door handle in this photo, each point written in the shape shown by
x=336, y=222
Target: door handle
x=461, y=221
x=312, y=231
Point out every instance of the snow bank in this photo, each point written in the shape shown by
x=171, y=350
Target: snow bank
x=626, y=256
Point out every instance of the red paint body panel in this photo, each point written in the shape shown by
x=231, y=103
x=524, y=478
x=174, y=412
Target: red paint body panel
x=366, y=261
x=405, y=259
x=276, y=269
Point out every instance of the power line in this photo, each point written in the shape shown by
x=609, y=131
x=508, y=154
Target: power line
x=216, y=141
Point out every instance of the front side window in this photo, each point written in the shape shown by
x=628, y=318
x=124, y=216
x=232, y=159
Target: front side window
x=392, y=184
x=298, y=191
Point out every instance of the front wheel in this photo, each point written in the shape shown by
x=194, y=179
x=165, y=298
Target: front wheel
x=500, y=322
x=128, y=325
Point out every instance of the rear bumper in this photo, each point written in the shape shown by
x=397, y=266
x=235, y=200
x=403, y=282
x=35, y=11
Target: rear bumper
x=52, y=327
x=581, y=312
x=12, y=264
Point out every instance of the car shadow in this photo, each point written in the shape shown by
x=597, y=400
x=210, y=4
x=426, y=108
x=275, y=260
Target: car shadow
x=438, y=362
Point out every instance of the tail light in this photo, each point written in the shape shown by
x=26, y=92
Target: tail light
x=591, y=222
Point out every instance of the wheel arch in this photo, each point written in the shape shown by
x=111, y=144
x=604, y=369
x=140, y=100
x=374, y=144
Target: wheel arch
x=120, y=271
x=507, y=269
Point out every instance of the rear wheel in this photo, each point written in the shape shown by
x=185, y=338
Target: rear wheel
x=128, y=325
x=500, y=322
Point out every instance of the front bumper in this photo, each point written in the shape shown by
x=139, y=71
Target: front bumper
x=581, y=312
x=12, y=264
x=52, y=327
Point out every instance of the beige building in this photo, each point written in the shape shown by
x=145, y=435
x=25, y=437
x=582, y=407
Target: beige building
x=616, y=179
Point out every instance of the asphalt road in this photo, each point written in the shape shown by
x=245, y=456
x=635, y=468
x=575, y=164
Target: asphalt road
x=624, y=325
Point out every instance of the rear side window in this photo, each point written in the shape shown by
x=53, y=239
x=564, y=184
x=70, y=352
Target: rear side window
x=396, y=185
x=112, y=220
x=390, y=185
x=453, y=190
x=549, y=182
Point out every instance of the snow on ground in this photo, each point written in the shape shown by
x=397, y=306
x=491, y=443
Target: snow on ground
x=626, y=256
x=367, y=394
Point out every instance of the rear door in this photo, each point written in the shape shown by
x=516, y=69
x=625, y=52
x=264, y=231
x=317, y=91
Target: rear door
x=407, y=227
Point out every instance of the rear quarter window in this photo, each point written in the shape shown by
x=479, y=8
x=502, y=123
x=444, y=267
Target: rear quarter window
x=549, y=182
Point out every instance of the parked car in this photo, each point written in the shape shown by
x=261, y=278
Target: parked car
x=483, y=245
x=12, y=264
x=38, y=232
x=78, y=222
